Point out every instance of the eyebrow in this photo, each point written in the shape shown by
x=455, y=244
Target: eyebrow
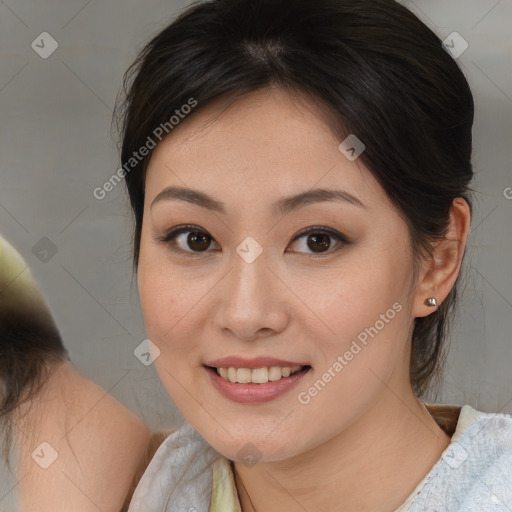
x=281, y=207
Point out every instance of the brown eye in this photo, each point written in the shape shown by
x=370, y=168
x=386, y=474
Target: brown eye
x=318, y=240
x=191, y=241
x=187, y=240
x=198, y=241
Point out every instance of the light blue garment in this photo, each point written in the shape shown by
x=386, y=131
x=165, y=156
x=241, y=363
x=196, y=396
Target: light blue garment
x=473, y=474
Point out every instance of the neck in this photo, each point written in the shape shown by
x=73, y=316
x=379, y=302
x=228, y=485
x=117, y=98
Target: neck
x=375, y=464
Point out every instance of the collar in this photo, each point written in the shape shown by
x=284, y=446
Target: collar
x=187, y=474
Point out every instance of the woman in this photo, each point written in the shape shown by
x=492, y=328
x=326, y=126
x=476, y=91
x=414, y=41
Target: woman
x=299, y=174
x=69, y=444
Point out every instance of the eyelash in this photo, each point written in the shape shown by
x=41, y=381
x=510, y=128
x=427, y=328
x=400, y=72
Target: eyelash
x=173, y=233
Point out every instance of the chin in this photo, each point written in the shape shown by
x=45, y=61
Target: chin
x=252, y=449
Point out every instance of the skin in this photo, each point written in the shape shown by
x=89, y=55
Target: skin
x=101, y=447
x=365, y=441
x=99, y=442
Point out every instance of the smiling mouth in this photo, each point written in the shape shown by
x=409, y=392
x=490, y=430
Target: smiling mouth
x=258, y=375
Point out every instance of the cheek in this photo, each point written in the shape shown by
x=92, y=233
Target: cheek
x=165, y=317
x=358, y=362
x=164, y=297
x=352, y=297
x=366, y=311
x=173, y=301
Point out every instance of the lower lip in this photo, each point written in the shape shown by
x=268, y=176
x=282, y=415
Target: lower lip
x=255, y=393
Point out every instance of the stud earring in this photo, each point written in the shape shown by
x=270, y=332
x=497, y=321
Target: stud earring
x=431, y=302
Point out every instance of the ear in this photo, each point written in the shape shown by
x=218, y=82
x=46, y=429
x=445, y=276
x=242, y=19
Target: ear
x=439, y=273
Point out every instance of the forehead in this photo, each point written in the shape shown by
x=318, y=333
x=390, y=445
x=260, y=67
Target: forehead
x=267, y=144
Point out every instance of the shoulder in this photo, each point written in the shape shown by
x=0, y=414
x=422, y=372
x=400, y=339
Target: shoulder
x=469, y=427
x=474, y=472
x=86, y=444
x=484, y=433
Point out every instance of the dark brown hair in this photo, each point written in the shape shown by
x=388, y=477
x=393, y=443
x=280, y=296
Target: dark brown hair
x=379, y=71
x=30, y=343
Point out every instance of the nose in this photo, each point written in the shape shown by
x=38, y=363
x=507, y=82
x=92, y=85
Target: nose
x=251, y=300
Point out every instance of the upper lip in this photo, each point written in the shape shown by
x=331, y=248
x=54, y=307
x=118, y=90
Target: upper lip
x=257, y=362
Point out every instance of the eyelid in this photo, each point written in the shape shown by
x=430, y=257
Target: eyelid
x=168, y=237
x=341, y=239
x=178, y=230
x=322, y=229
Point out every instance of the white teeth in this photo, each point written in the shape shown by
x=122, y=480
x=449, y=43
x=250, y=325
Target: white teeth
x=256, y=375
x=232, y=374
x=243, y=375
x=259, y=375
x=274, y=373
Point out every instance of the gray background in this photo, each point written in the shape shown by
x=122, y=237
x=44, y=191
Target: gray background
x=56, y=147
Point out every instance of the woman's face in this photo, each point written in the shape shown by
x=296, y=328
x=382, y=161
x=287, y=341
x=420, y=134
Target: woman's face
x=248, y=286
